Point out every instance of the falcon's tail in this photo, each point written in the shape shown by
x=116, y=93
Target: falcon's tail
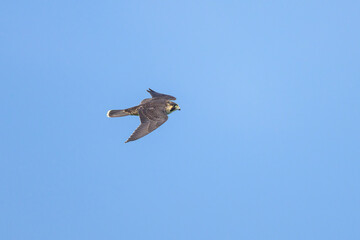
x=117, y=113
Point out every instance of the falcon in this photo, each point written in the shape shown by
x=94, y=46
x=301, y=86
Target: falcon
x=152, y=112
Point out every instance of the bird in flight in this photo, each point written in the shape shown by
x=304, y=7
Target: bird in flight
x=152, y=112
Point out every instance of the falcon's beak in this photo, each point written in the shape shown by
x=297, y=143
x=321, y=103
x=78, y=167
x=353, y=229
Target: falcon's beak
x=177, y=107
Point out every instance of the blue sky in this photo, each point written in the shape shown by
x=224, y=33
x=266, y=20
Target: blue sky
x=266, y=145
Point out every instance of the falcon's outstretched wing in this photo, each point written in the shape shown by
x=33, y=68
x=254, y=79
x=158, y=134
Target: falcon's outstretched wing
x=160, y=95
x=151, y=119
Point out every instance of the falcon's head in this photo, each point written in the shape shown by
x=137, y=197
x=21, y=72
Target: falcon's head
x=171, y=107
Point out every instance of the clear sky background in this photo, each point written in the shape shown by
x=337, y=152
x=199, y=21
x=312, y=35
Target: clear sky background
x=266, y=145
